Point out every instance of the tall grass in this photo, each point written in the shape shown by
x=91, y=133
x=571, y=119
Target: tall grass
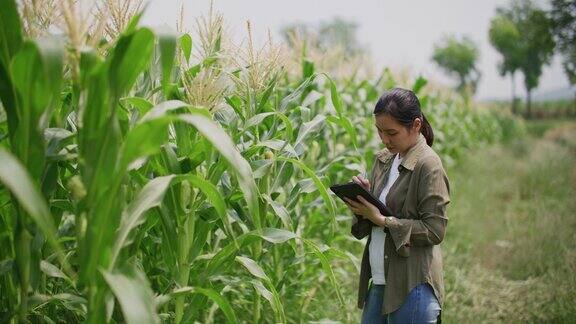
x=510, y=251
x=143, y=183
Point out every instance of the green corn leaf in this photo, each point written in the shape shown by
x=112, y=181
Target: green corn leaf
x=257, y=271
x=280, y=211
x=167, y=39
x=252, y=267
x=165, y=107
x=10, y=31
x=263, y=291
x=71, y=302
x=211, y=294
x=147, y=137
x=342, y=119
x=131, y=57
x=307, y=129
x=225, y=254
x=133, y=23
x=18, y=181
x=222, y=142
x=307, y=68
x=186, y=46
x=236, y=103
x=98, y=133
x=141, y=104
x=288, y=133
x=10, y=43
x=272, y=297
x=36, y=74
x=57, y=138
x=276, y=235
x=143, y=140
x=150, y=196
x=257, y=119
x=335, y=96
x=296, y=93
x=214, y=196
x=319, y=185
x=326, y=267
x=419, y=84
x=52, y=271
x=266, y=95
x=193, y=71
x=278, y=145
x=388, y=77
x=202, y=230
x=132, y=290
x=345, y=123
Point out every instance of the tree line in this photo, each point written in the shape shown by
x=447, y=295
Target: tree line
x=526, y=36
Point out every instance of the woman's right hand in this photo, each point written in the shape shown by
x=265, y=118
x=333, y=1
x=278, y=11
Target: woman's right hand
x=359, y=179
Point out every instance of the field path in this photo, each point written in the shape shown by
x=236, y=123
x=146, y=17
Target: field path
x=510, y=250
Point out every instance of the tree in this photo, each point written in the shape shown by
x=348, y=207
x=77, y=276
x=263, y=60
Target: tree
x=563, y=16
x=329, y=34
x=505, y=38
x=458, y=57
x=536, y=42
x=339, y=32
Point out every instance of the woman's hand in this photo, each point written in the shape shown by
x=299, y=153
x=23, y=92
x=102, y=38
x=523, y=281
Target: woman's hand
x=359, y=179
x=367, y=210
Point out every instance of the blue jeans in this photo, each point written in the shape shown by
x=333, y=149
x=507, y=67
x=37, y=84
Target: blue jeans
x=420, y=306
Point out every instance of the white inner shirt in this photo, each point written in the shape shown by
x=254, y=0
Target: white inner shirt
x=376, y=248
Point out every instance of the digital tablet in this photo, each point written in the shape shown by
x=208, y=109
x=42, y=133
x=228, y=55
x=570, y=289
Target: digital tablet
x=351, y=189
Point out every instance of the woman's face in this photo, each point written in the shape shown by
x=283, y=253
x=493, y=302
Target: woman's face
x=397, y=137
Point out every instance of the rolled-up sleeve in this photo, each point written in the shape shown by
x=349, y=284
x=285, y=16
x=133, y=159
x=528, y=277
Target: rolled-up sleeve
x=430, y=226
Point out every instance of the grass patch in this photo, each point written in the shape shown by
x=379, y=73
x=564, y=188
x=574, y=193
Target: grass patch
x=510, y=252
x=538, y=127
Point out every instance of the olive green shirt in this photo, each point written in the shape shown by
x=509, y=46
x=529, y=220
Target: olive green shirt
x=418, y=199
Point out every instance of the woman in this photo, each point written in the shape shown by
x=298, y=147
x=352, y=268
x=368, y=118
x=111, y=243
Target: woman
x=402, y=257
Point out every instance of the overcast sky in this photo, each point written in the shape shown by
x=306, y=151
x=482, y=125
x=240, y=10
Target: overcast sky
x=398, y=33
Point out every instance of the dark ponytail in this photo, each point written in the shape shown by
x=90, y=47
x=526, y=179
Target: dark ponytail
x=404, y=106
x=427, y=131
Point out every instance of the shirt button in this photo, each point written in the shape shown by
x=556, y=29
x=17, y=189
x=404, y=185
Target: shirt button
x=385, y=256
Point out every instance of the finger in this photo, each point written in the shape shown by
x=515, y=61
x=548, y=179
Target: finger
x=362, y=181
x=354, y=203
x=350, y=206
x=363, y=201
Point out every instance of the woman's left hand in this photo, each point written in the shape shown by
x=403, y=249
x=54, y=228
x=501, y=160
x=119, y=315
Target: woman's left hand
x=367, y=210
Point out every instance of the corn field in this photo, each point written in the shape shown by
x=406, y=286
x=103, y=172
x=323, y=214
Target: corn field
x=147, y=176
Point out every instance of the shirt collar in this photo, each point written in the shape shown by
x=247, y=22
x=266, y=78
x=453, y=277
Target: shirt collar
x=411, y=157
